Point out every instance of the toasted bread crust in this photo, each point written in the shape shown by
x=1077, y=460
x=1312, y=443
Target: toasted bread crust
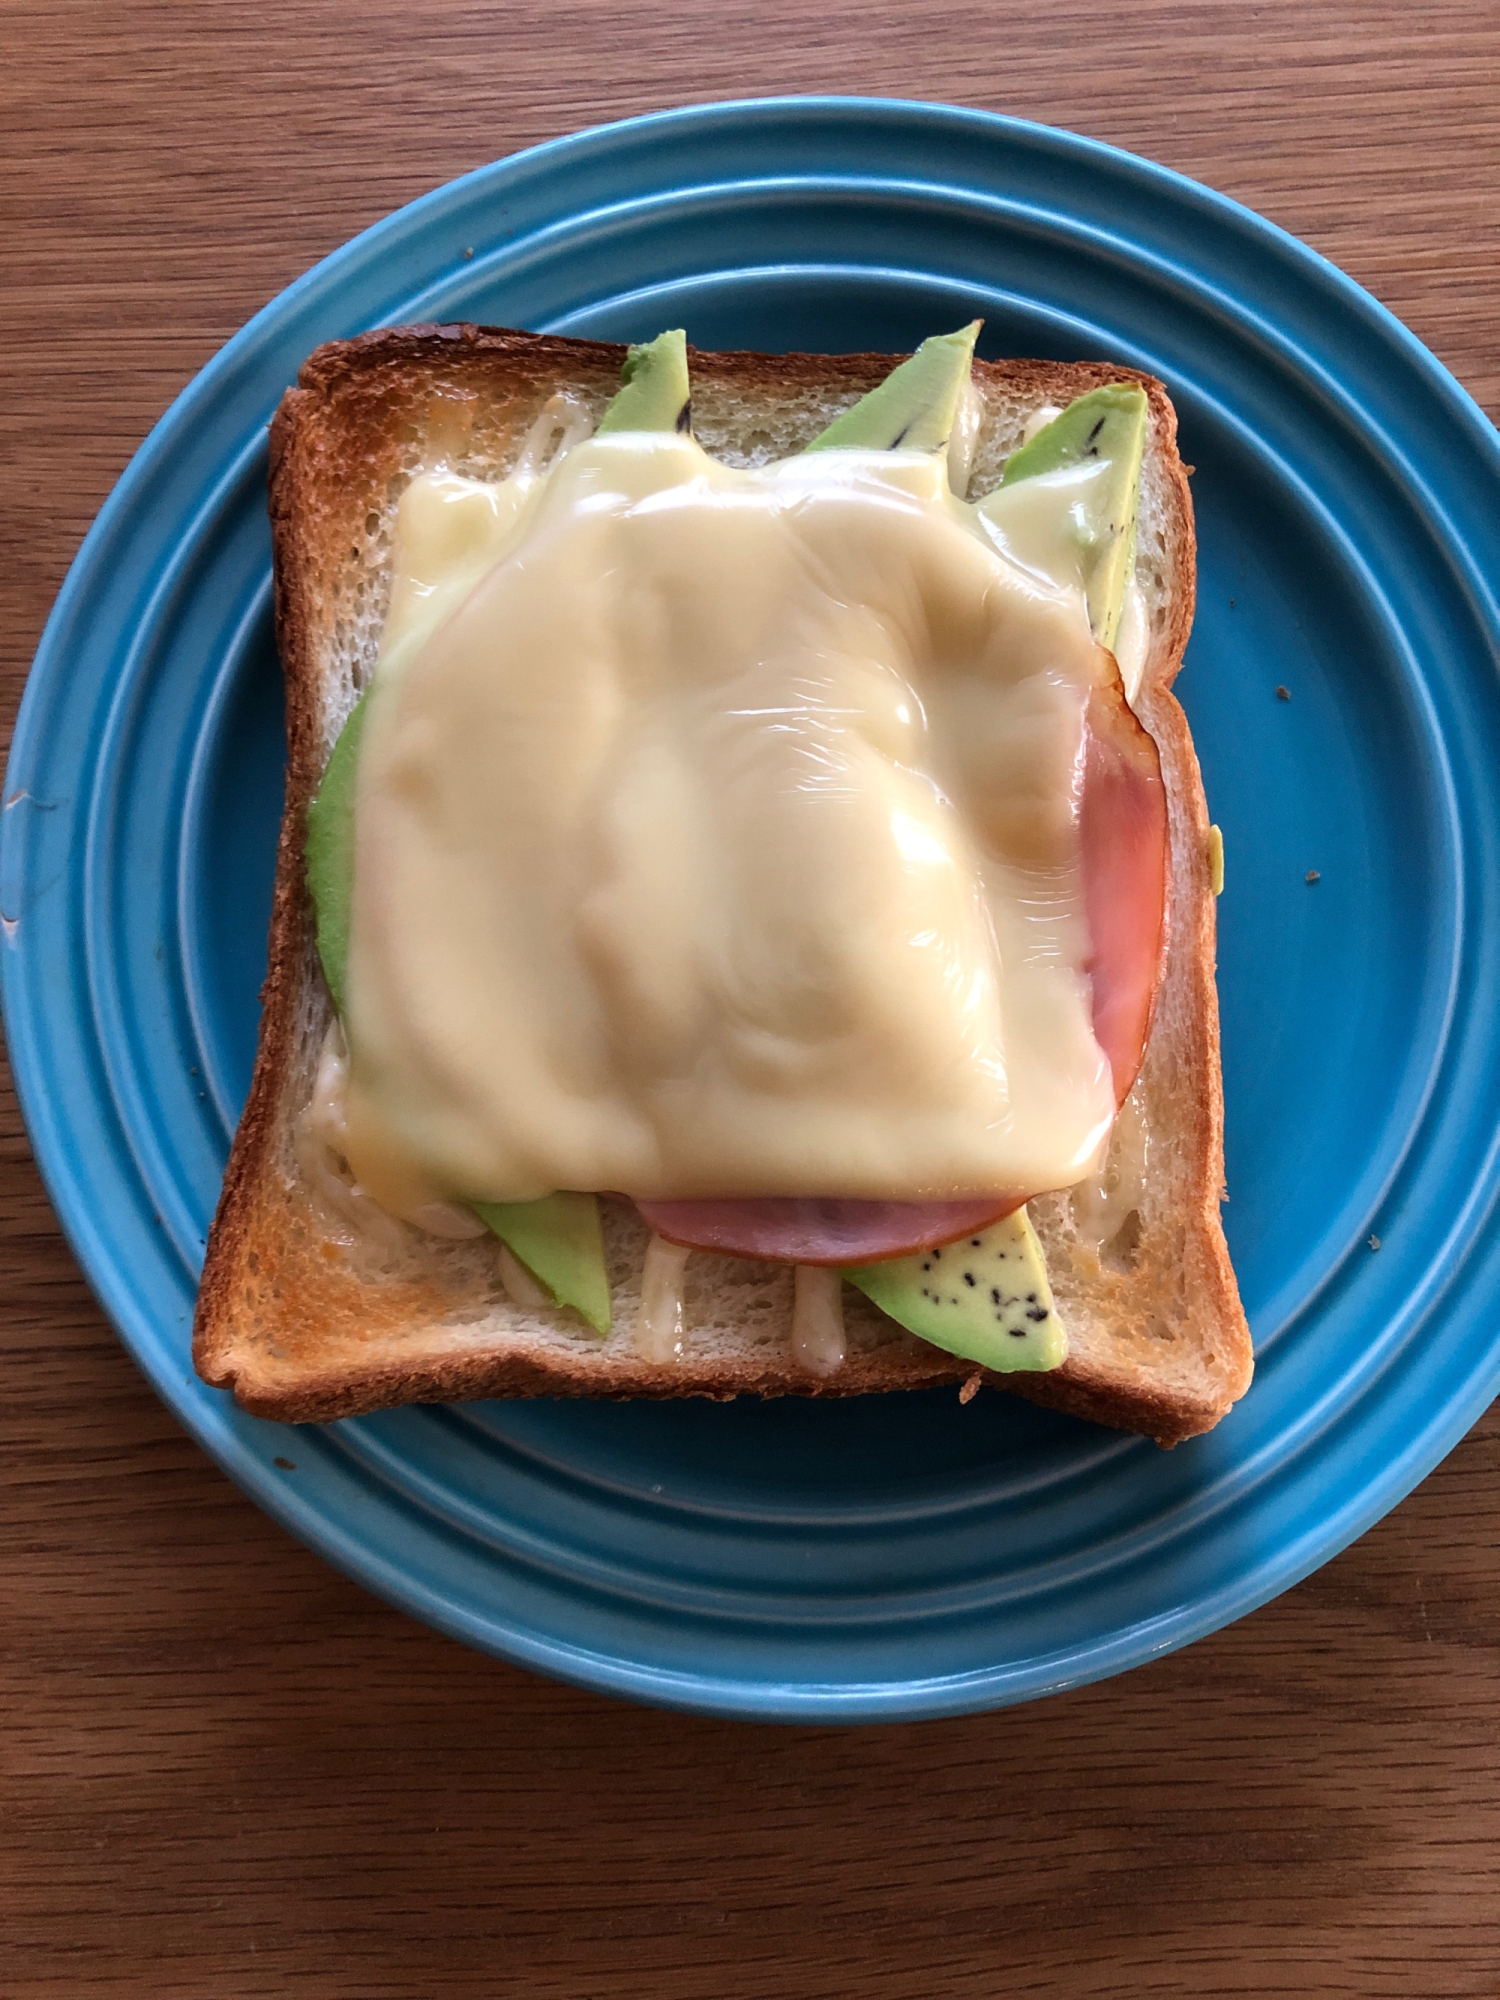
x=284, y=1318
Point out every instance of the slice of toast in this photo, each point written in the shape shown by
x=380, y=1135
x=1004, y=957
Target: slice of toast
x=313, y=1306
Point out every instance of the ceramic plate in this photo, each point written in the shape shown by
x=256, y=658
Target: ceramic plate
x=896, y=1556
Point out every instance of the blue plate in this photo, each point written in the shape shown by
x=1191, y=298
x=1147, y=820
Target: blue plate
x=895, y=1557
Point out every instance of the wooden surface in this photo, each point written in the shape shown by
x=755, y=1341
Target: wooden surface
x=228, y=1772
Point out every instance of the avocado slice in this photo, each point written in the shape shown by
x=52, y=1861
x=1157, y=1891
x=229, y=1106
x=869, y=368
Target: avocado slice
x=559, y=1238
x=915, y=407
x=330, y=852
x=986, y=1297
x=1107, y=426
x=560, y=1241
x=655, y=394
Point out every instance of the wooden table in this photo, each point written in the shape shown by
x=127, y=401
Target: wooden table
x=228, y=1772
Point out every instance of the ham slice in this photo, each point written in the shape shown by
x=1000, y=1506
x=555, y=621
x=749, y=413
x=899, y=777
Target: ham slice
x=1123, y=826
x=811, y=1230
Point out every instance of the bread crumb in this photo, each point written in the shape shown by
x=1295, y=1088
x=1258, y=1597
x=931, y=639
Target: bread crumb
x=1283, y=694
x=971, y=1388
x=1312, y=875
x=1374, y=1242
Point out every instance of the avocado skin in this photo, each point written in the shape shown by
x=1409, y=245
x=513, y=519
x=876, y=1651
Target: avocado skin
x=1108, y=425
x=915, y=407
x=656, y=394
x=985, y=1298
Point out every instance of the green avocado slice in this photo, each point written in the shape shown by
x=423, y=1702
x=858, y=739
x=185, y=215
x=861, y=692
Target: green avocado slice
x=1007, y=1323
x=559, y=1238
x=1107, y=426
x=330, y=852
x=656, y=394
x=561, y=1242
x=915, y=407
x=986, y=1298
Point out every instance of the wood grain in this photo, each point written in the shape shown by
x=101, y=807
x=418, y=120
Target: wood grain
x=228, y=1772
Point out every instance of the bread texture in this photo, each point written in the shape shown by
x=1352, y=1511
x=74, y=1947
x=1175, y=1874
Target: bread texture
x=314, y=1305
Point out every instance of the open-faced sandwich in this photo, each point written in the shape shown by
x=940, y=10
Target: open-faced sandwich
x=744, y=919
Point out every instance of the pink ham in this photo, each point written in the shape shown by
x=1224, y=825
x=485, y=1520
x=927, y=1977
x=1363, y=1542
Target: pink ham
x=810, y=1230
x=1123, y=825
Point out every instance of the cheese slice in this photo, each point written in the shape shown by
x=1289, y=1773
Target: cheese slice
x=716, y=833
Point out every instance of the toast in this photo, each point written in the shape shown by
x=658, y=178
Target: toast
x=314, y=1307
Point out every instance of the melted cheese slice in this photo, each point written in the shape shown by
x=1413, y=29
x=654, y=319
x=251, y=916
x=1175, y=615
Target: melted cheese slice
x=716, y=835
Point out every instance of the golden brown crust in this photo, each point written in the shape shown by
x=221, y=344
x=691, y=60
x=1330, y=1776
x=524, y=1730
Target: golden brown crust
x=339, y=1344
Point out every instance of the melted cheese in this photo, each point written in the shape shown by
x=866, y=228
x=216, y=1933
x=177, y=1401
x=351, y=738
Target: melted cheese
x=716, y=834
x=818, y=1343
x=1133, y=640
x=659, y=1319
x=520, y=1287
x=1103, y=1204
x=1043, y=524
